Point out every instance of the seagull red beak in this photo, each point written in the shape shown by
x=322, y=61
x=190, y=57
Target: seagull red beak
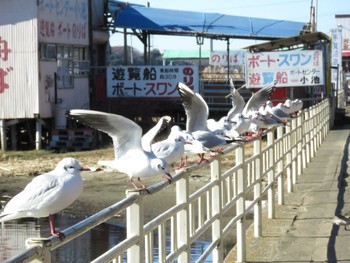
x=85, y=169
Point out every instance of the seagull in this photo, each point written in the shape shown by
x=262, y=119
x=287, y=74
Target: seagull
x=224, y=125
x=293, y=106
x=278, y=110
x=172, y=148
x=47, y=194
x=341, y=221
x=197, y=113
x=132, y=157
x=192, y=146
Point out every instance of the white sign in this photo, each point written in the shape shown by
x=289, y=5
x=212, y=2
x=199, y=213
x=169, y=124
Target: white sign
x=63, y=21
x=149, y=81
x=220, y=58
x=336, y=59
x=287, y=68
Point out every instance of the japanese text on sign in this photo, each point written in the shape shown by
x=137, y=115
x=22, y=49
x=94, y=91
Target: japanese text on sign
x=149, y=81
x=4, y=70
x=63, y=19
x=336, y=58
x=289, y=68
x=221, y=58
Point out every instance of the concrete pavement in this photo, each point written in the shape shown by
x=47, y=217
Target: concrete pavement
x=302, y=230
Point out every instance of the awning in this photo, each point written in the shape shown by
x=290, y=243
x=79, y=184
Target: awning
x=209, y=25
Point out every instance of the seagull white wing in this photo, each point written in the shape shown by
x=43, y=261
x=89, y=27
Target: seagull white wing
x=196, y=108
x=125, y=133
x=238, y=102
x=148, y=137
x=258, y=99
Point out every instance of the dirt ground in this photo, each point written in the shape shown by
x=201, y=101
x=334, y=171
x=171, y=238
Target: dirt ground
x=102, y=188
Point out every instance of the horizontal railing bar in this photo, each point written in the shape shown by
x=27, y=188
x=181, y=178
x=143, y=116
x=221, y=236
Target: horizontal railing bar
x=94, y=220
x=200, y=231
x=230, y=224
x=27, y=255
x=117, y=250
x=208, y=251
x=154, y=223
x=206, y=188
x=174, y=255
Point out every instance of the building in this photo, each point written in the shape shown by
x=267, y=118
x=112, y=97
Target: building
x=46, y=52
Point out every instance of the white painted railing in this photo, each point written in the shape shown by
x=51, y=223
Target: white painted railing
x=283, y=156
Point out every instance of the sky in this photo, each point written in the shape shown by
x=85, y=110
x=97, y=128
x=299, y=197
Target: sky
x=293, y=10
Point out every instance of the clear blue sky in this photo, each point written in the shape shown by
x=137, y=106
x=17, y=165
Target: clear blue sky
x=294, y=10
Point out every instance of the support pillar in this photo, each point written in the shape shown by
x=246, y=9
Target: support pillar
x=3, y=135
x=38, y=132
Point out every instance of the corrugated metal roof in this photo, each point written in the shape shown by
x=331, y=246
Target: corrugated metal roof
x=211, y=25
x=185, y=53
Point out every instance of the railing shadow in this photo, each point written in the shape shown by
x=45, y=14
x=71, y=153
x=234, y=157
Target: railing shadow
x=342, y=184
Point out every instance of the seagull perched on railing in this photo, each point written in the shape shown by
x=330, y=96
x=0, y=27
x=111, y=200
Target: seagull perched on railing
x=131, y=157
x=341, y=221
x=197, y=113
x=47, y=194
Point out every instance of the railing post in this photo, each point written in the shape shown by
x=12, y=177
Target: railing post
x=312, y=132
x=300, y=145
x=307, y=136
x=257, y=190
x=294, y=151
x=288, y=152
x=240, y=206
x=271, y=176
x=183, y=224
x=216, y=209
x=279, y=155
x=45, y=244
x=134, y=227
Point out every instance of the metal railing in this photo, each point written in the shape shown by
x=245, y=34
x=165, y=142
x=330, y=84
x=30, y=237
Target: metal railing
x=274, y=165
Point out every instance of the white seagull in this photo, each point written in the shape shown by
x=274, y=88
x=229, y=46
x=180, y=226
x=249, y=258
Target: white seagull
x=47, y=194
x=172, y=148
x=293, y=106
x=197, y=113
x=132, y=157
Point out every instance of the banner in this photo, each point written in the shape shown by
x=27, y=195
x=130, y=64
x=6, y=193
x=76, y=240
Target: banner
x=336, y=59
x=220, y=58
x=287, y=68
x=149, y=81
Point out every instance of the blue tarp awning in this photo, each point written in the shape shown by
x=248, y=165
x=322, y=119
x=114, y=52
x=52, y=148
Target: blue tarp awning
x=210, y=25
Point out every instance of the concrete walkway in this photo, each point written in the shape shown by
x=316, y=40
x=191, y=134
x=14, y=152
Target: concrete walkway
x=302, y=230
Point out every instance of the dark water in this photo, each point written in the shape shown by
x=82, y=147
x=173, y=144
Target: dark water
x=83, y=249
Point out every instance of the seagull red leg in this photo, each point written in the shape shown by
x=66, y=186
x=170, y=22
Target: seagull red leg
x=202, y=159
x=53, y=230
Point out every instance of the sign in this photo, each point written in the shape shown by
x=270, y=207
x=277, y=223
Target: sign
x=63, y=21
x=220, y=58
x=287, y=68
x=149, y=81
x=336, y=59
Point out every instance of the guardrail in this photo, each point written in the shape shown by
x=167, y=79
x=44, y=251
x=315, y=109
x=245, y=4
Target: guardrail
x=274, y=165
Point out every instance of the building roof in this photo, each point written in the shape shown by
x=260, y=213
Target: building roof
x=209, y=25
x=302, y=41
